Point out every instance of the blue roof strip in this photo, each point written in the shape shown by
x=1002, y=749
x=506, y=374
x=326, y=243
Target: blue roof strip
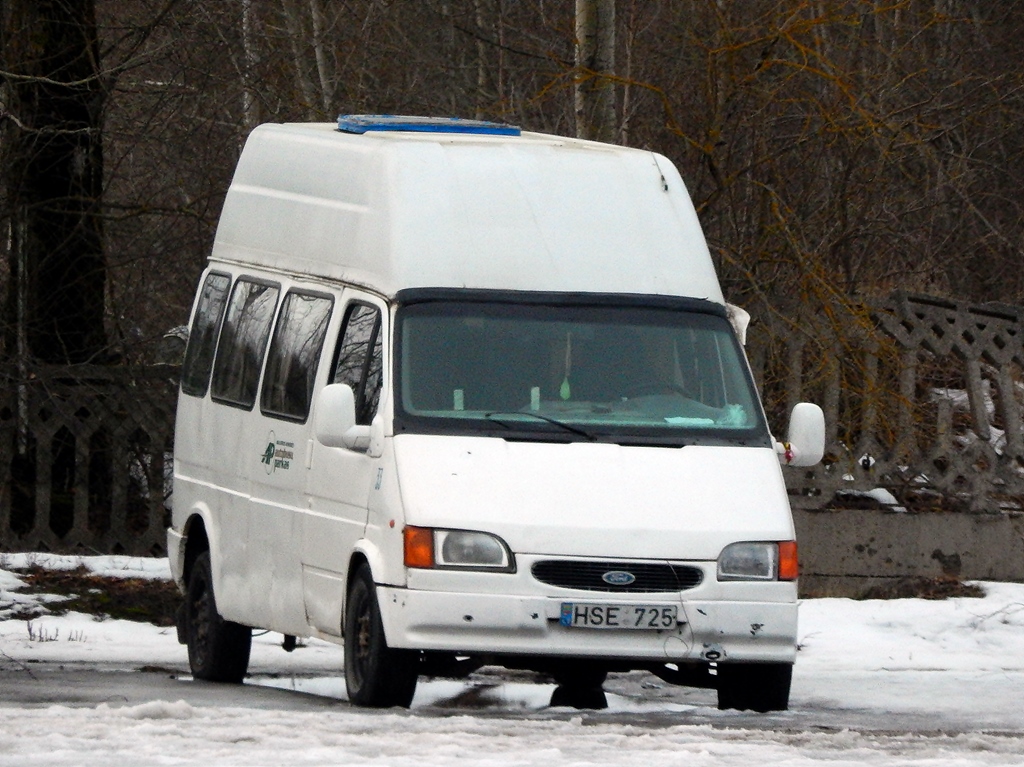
x=366, y=123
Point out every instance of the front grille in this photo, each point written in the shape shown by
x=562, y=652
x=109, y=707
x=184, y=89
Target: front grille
x=588, y=575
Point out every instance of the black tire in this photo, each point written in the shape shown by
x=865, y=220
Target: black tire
x=377, y=676
x=580, y=675
x=757, y=687
x=580, y=685
x=579, y=698
x=218, y=650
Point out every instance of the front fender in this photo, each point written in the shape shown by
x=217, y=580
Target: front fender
x=176, y=543
x=369, y=551
x=183, y=554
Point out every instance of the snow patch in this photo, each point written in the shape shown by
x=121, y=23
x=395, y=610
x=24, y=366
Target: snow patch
x=958, y=661
x=157, y=709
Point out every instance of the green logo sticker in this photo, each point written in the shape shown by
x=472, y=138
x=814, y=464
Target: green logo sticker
x=278, y=454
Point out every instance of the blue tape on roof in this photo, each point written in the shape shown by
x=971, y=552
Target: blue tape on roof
x=366, y=123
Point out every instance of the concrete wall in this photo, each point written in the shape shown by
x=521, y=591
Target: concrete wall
x=844, y=552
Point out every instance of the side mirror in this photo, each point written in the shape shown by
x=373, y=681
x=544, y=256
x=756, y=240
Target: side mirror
x=740, y=321
x=335, y=419
x=805, y=445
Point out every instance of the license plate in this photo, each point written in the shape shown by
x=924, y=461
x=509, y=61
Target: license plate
x=618, y=616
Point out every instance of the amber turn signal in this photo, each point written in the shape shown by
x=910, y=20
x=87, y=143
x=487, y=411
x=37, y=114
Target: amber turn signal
x=789, y=563
x=419, y=547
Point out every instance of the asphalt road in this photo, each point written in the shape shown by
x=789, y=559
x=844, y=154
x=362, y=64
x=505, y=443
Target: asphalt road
x=45, y=684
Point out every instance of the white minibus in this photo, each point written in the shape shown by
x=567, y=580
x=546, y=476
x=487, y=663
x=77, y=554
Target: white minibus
x=457, y=394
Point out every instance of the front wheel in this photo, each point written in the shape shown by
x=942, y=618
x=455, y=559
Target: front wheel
x=757, y=687
x=376, y=675
x=218, y=650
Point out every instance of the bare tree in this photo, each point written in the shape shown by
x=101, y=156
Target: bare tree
x=834, y=148
x=54, y=99
x=595, y=66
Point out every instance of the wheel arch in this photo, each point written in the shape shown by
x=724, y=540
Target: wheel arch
x=364, y=553
x=357, y=560
x=197, y=540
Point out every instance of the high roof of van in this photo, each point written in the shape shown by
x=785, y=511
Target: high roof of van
x=392, y=209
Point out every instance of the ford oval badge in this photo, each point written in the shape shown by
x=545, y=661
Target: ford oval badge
x=618, y=578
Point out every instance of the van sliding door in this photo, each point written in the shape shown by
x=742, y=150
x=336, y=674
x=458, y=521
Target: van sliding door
x=276, y=448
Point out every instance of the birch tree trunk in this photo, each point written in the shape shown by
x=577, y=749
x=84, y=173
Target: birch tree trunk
x=324, y=62
x=296, y=34
x=481, y=61
x=250, y=105
x=595, y=63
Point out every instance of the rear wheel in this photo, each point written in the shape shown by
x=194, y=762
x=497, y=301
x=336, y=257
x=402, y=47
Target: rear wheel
x=580, y=674
x=376, y=675
x=579, y=685
x=754, y=686
x=218, y=650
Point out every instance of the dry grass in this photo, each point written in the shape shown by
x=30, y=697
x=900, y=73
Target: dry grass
x=136, y=599
x=922, y=588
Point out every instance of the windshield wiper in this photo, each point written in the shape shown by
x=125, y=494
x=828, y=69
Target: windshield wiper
x=497, y=417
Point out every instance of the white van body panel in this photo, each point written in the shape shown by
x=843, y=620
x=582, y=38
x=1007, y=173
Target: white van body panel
x=595, y=500
x=535, y=213
x=359, y=219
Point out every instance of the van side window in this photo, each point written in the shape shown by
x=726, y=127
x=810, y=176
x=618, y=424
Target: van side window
x=243, y=340
x=294, y=355
x=202, y=338
x=359, y=359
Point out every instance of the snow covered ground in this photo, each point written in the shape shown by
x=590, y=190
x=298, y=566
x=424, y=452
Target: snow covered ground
x=900, y=682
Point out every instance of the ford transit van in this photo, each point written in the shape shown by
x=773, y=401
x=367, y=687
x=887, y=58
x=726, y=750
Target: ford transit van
x=458, y=394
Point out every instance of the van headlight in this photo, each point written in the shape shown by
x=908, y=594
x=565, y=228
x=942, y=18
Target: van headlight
x=427, y=547
x=758, y=561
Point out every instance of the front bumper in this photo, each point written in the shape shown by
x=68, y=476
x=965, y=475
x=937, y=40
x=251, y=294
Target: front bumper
x=716, y=621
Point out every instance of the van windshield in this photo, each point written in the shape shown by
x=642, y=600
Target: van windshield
x=621, y=372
